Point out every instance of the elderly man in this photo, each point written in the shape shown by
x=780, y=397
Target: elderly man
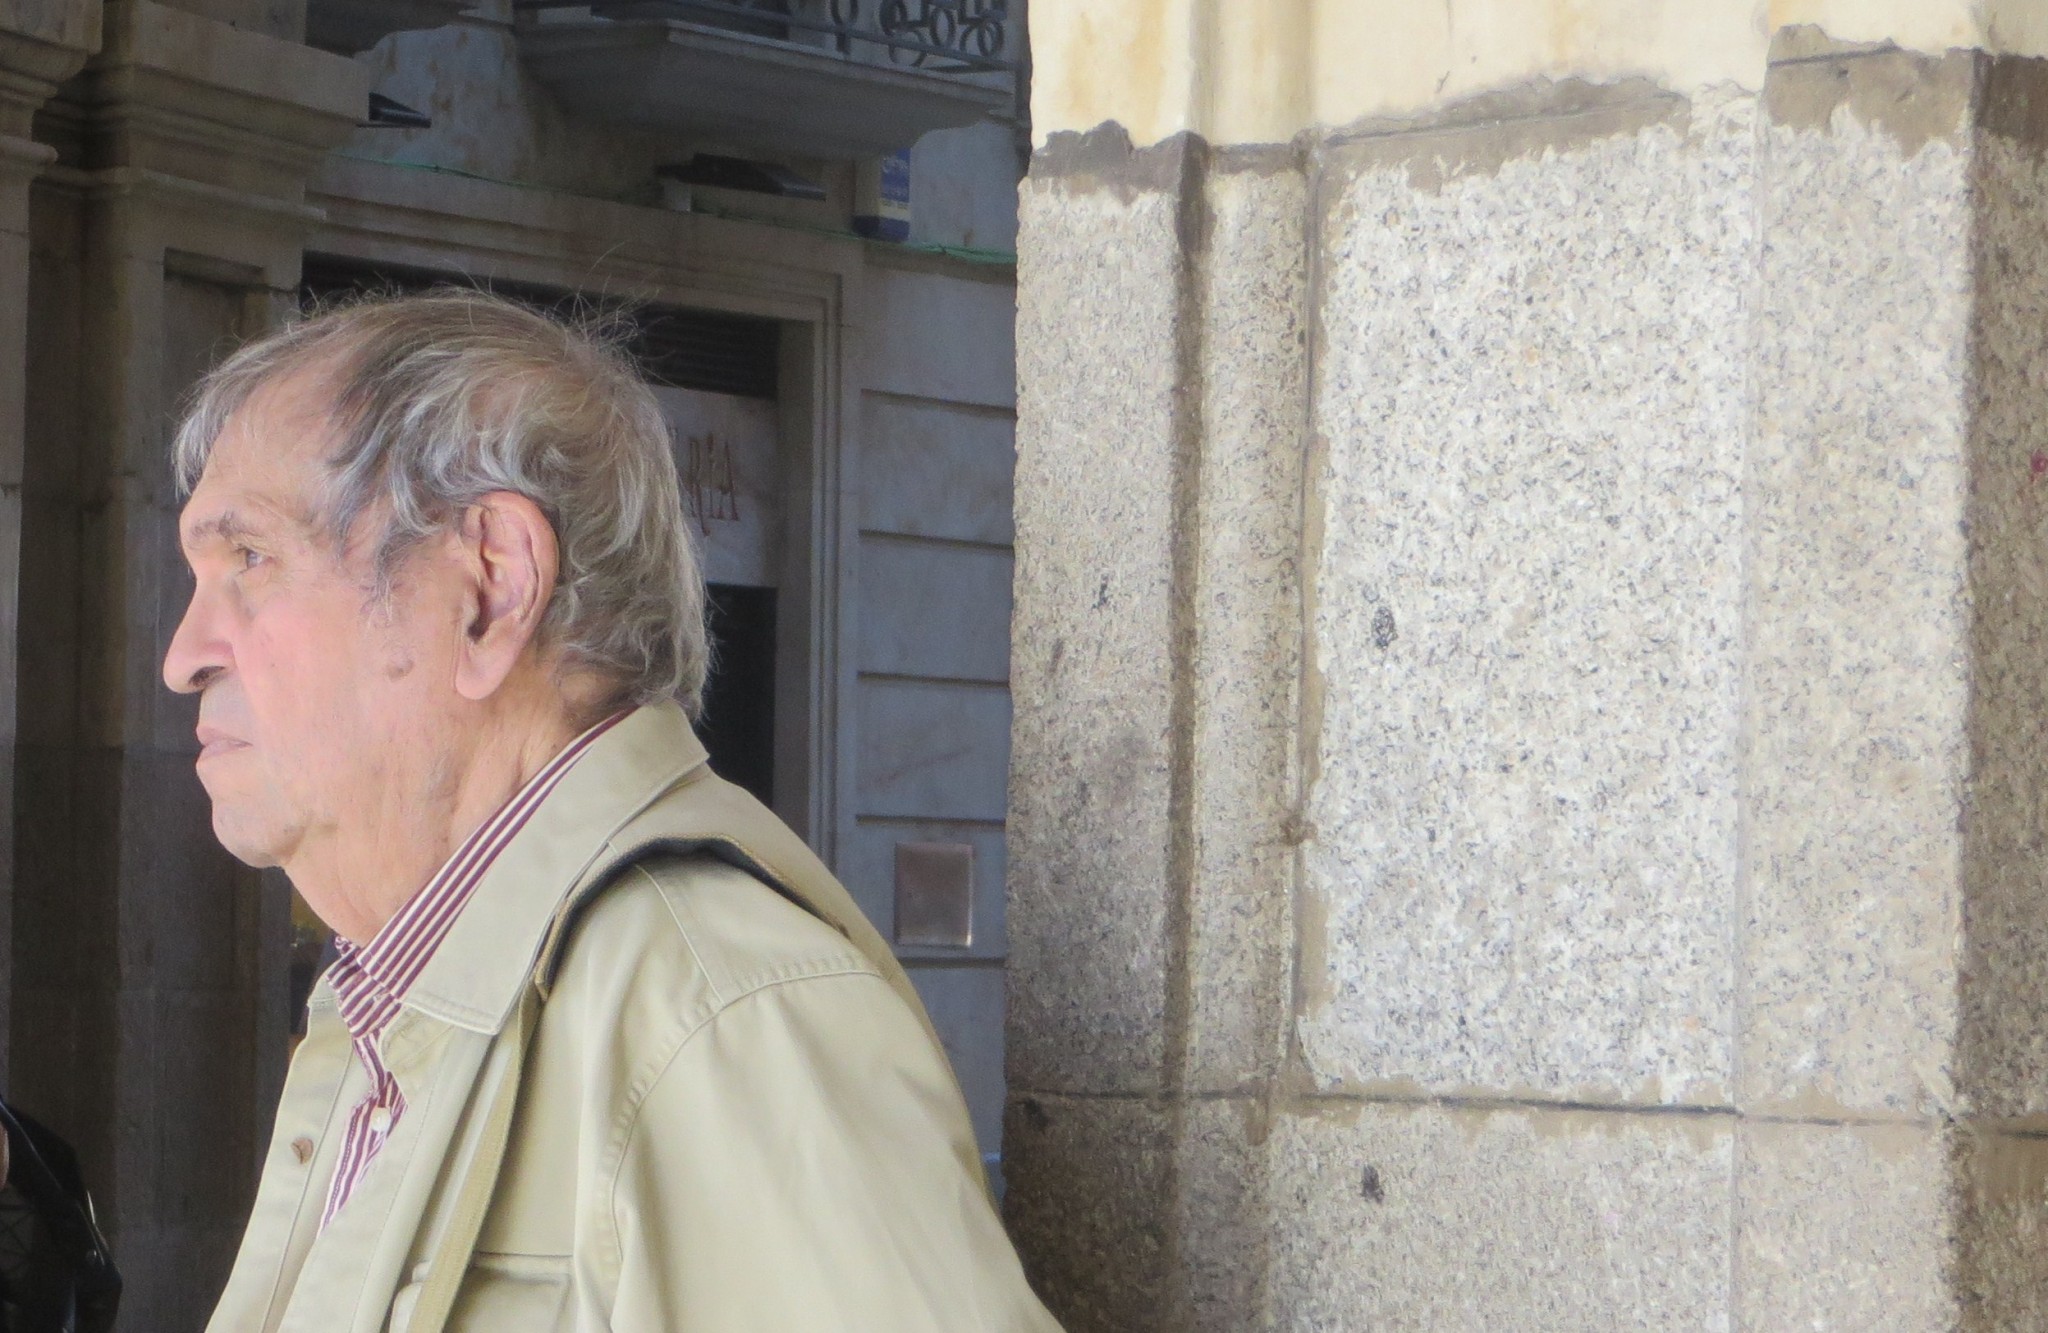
x=605, y=1047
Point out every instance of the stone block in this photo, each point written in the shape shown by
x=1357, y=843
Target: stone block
x=1246, y=657
x=966, y=1006
x=171, y=1275
x=922, y=748
x=1858, y=613
x=14, y=253
x=2001, y=1269
x=188, y=908
x=946, y=340
x=935, y=609
x=48, y=644
x=936, y=470
x=470, y=69
x=1223, y=1223
x=2003, y=1045
x=1099, y=452
x=53, y=1072
x=55, y=369
x=60, y=937
x=65, y=918
x=1422, y=1217
x=307, y=92
x=1843, y=1228
x=1526, y=618
x=72, y=23
x=158, y=590
x=207, y=1143
x=1087, y=1207
x=137, y=586
x=273, y=18
x=963, y=187
x=139, y=1129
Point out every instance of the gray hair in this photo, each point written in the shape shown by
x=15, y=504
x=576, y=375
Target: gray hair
x=442, y=399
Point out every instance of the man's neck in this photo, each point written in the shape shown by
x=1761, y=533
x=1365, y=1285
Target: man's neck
x=373, y=862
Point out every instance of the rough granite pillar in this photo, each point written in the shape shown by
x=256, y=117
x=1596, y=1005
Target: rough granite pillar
x=1531, y=747
x=151, y=1020
x=1167, y=775
x=1097, y=783
x=1893, y=984
x=1514, y=1035
x=40, y=47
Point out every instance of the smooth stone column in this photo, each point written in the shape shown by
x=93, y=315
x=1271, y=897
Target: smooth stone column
x=176, y=219
x=41, y=45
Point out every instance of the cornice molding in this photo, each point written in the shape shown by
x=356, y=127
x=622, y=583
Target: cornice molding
x=176, y=95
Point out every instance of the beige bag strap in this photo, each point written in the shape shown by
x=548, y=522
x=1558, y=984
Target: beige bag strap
x=450, y=1263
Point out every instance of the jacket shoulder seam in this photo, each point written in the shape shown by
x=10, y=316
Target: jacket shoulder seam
x=668, y=904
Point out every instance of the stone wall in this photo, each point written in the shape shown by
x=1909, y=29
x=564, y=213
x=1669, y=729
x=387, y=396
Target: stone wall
x=41, y=45
x=164, y=170
x=147, y=1026
x=1528, y=768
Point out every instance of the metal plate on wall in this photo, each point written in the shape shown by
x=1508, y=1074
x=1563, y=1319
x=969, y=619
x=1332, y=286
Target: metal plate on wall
x=935, y=894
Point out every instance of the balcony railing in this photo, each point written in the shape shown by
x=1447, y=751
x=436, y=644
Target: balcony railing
x=819, y=78
x=350, y=26
x=938, y=36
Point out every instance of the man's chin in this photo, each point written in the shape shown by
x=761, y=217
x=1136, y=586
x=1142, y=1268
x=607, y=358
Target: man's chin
x=260, y=849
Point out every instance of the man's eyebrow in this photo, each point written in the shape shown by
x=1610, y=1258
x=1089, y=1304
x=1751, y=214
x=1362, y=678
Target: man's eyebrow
x=226, y=526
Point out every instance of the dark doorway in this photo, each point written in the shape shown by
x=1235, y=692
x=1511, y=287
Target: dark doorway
x=738, y=726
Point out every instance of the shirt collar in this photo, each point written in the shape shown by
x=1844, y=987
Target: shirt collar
x=371, y=980
x=475, y=975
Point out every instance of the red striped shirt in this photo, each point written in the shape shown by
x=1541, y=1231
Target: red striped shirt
x=370, y=980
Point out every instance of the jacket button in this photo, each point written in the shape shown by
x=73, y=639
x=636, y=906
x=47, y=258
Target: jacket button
x=302, y=1149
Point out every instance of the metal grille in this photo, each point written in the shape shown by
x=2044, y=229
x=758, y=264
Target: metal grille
x=707, y=350
x=699, y=349
x=940, y=36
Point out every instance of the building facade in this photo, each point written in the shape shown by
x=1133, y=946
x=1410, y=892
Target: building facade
x=838, y=374
x=1526, y=781
x=1532, y=604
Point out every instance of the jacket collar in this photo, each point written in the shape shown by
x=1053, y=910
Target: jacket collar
x=475, y=976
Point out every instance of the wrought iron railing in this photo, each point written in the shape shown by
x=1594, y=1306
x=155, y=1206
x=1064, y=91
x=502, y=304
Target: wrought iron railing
x=941, y=36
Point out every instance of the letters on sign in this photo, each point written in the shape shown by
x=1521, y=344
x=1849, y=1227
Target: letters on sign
x=725, y=451
x=711, y=485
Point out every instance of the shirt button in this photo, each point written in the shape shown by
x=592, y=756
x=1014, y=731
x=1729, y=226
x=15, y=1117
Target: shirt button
x=380, y=1121
x=302, y=1149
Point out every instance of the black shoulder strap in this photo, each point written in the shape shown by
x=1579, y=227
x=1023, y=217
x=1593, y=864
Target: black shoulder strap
x=608, y=874
x=704, y=814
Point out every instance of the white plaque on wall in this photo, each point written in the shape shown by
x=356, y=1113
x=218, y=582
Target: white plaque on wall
x=725, y=452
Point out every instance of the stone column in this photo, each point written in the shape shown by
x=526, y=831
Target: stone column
x=1153, y=772
x=40, y=47
x=152, y=1020
x=1528, y=781
x=1893, y=974
x=1096, y=1032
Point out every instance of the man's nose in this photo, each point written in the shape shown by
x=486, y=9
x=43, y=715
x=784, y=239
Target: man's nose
x=198, y=652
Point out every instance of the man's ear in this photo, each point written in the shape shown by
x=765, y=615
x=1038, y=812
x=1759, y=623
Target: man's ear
x=510, y=557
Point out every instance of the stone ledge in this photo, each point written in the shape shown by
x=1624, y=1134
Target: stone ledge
x=187, y=96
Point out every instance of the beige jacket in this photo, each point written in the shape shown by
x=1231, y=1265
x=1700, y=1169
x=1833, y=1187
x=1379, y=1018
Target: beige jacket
x=733, y=1114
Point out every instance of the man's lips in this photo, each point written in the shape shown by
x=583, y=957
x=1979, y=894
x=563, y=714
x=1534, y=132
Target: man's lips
x=214, y=742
